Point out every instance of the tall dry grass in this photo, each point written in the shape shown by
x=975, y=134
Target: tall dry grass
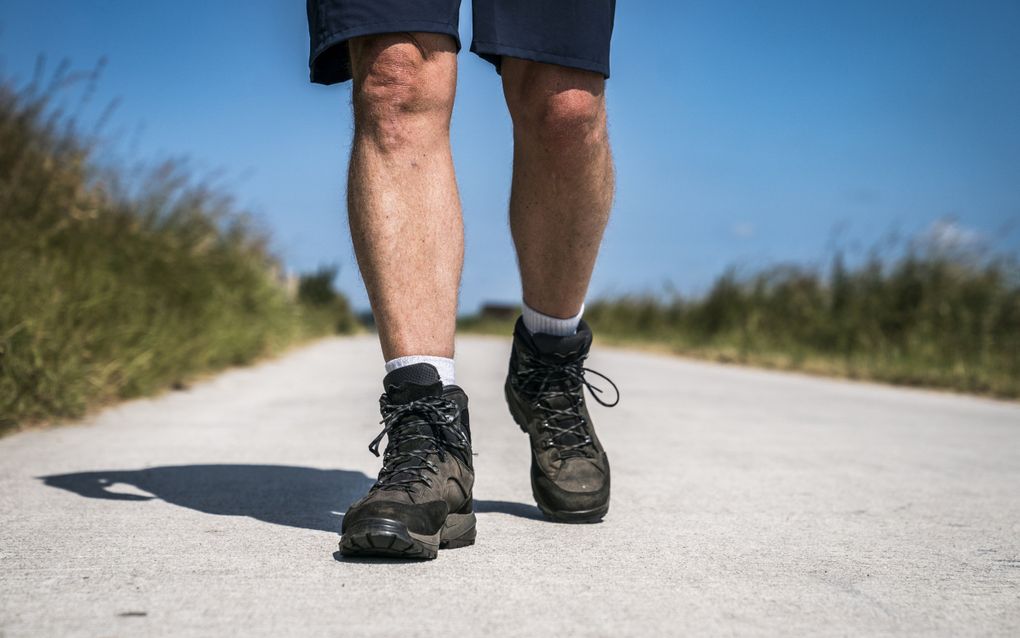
x=113, y=286
x=937, y=316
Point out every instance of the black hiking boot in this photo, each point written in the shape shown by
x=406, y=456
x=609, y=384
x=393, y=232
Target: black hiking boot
x=545, y=392
x=421, y=501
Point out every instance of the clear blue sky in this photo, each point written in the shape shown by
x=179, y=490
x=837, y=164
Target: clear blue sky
x=744, y=132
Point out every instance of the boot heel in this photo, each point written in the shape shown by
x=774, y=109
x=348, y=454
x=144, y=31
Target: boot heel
x=459, y=531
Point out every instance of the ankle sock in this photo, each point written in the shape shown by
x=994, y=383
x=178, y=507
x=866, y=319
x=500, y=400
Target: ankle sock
x=443, y=365
x=536, y=322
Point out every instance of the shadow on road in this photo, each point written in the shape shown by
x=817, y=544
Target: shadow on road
x=302, y=497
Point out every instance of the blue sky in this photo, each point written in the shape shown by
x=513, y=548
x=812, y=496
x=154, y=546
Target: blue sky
x=745, y=132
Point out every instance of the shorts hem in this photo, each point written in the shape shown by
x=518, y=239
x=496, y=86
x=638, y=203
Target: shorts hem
x=492, y=51
x=338, y=75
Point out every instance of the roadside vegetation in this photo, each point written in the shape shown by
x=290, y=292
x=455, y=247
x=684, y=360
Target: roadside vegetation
x=934, y=315
x=115, y=285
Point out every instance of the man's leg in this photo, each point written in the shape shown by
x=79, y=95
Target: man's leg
x=559, y=206
x=406, y=225
x=562, y=180
x=403, y=206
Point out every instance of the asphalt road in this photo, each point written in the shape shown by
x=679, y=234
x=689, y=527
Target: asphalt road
x=745, y=502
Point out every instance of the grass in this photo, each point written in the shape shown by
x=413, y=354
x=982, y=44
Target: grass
x=113, y=287
x=936, y=315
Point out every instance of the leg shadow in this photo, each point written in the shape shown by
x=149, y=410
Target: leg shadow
x=302, y=497
x=521, y=510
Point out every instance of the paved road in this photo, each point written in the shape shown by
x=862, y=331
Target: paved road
x=745, y=502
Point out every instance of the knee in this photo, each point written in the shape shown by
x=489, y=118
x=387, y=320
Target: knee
x=559, y=105
x=403, y=83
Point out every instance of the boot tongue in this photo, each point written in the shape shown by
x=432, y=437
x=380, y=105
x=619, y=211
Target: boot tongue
x=412, y=382
x=404, y=385
x=561, y=348
x=554, y=348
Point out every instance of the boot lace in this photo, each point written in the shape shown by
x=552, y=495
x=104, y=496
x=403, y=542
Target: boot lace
x=416, y=431
x=555, y=387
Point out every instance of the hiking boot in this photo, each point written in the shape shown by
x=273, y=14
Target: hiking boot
x=545, y=392
x=421, y=501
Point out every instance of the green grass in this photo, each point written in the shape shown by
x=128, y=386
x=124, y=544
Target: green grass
x=111, y=289
x=934, y=316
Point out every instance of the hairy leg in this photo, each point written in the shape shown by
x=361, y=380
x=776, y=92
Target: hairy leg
x=402, y=199
x=562, y=180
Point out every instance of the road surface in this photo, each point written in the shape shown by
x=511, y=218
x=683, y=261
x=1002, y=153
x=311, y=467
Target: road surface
x=745, y=502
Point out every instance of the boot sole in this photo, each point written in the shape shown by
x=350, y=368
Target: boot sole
x=558, y=516
x=580, y=516
x=386, y=537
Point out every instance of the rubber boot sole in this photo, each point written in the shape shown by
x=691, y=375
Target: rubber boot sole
x=559, y=516
x=579, y=516
x=386, y=537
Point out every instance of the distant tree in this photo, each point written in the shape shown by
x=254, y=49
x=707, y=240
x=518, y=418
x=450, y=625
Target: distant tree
x=316, y=291
x=316, y=288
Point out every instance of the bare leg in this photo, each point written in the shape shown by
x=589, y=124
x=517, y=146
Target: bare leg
x=562, y=180
x=401, y=195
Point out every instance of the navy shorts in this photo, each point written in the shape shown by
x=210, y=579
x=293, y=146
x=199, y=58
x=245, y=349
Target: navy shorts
x=572, y=33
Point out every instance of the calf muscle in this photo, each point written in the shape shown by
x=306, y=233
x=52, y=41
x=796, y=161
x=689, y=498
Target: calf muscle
x=403, y=206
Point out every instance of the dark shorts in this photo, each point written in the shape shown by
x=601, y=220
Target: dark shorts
x=572, y=33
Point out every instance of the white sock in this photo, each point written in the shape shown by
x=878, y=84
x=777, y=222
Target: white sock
x=535, y=322
x=443, y=365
